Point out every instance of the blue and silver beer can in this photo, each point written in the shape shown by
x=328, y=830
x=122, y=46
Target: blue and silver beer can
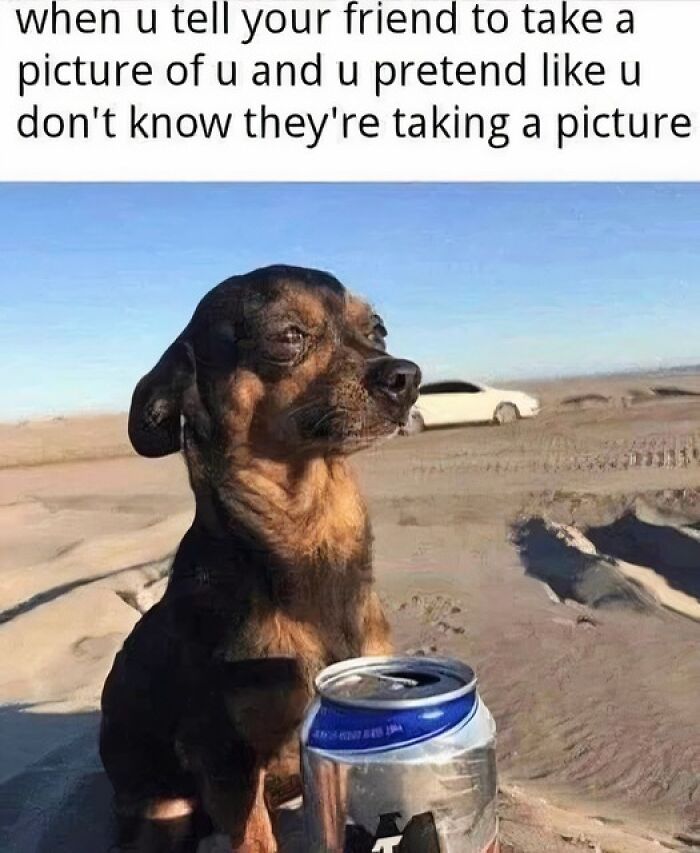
x=398, y=756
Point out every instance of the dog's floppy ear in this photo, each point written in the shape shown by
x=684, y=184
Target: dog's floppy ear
x=157, y=402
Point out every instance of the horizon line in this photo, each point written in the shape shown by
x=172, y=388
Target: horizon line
x=689, y=367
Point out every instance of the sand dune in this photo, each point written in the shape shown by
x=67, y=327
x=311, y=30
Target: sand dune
x=88, y=561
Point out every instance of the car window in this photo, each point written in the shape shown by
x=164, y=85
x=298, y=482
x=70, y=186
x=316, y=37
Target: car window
x=449, y=388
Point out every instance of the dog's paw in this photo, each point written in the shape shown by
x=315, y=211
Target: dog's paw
x=259, y=837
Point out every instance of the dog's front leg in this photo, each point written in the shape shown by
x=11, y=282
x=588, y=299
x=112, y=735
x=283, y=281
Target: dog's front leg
x=258, y=836
x=237, y=806
x=231, y=776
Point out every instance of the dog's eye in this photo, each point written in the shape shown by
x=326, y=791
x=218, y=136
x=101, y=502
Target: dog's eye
x=289, y=336
x=285, y=345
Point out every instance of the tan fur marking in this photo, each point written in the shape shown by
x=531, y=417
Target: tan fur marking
x=291, y=388
x=336, y=518
x=357, y=311
x=277, y=635
x=374, y=627
x=169, y=809
x=320, y=513
x=245, y=390
x=310, y=307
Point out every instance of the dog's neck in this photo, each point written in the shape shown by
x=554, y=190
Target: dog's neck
x=303, y=511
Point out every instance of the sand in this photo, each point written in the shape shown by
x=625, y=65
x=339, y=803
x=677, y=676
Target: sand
x=559, y=556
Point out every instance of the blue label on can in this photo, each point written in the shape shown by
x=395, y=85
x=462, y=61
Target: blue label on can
x=339, y=728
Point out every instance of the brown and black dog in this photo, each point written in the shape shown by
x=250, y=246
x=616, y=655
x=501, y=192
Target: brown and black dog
x=279, y=375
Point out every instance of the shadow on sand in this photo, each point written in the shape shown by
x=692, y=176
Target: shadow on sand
x=673, y=553
x=591, y=579
x=54, y=795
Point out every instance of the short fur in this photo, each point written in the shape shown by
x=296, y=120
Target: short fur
x=279, y=375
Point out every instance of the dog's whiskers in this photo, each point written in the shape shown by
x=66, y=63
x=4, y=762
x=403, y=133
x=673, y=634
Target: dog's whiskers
x=302, y=407
x=328, y=416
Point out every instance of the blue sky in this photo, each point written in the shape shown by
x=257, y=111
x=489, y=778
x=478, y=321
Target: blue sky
x=475, y=280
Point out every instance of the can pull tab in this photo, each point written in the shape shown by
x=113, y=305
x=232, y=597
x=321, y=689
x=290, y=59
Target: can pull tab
x=396, y=682
x=409, y=679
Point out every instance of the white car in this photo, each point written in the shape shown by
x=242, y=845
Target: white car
x=445, y=403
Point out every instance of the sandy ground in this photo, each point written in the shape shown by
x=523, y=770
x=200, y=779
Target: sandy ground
x=561, y=557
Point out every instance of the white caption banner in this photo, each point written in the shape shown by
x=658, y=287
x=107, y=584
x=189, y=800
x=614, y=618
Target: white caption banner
x=492, y=91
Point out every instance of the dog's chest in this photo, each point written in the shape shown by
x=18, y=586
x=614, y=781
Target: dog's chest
x=278, y=634
x=316, y=623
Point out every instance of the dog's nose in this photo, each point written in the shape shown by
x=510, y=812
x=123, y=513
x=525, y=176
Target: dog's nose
x=398, y=379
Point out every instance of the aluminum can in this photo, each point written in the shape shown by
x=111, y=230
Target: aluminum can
x=398, y=756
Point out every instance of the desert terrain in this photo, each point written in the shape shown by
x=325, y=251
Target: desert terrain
x=559, y=556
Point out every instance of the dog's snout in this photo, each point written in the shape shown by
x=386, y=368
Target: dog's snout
x=398, y=379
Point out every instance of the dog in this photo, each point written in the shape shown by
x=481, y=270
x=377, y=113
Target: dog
x=279, y=376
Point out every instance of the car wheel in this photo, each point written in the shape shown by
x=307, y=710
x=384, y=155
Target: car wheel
x=414, y=425
x=506, y=413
